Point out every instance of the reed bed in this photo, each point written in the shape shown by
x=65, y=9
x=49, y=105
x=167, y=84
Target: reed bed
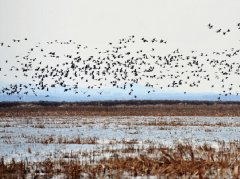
x=181, y=161
x=119, y=147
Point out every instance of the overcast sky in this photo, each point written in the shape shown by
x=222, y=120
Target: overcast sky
x=183, y=23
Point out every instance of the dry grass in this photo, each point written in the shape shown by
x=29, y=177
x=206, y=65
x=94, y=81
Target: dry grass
x=180, y=124
x=122, y=110
x=12, y=170
x=181, y=161
x=120, y=158
x=62, y=140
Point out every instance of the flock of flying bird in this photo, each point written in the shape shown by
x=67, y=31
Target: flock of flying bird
x=122, y=65
x=222, y=31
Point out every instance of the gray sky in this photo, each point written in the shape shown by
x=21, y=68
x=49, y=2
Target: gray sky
x=183, y=23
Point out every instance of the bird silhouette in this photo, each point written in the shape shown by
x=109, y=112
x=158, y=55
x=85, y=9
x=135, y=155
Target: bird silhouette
x=120, y=66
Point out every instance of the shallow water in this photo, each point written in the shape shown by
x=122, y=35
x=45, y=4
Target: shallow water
x=38, y=138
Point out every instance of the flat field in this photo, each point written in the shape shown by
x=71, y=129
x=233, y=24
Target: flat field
x=70, y=141
x=119, y=108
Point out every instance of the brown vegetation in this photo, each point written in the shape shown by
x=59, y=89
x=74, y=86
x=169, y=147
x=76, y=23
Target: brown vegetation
x=158, y=109
x=181, y=161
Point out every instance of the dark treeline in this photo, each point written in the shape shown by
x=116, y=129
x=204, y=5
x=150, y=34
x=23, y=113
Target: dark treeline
x=114, y=103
